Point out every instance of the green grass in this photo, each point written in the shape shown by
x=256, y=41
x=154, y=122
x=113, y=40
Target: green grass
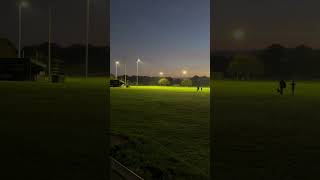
x=168, y=130
x=53, y=131
x=258, y=134
x=264, y=135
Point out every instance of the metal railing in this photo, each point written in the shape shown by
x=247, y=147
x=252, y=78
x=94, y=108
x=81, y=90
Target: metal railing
x=123, y=171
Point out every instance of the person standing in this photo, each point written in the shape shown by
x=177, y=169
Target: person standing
x=282, y=85
x=293, y=86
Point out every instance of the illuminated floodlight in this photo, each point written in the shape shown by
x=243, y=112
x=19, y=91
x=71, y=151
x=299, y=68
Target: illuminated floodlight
x=161, y=73
x=184, y=72
x=117, y=63
x=24, y=4
x=239, y=34
x=138, y=61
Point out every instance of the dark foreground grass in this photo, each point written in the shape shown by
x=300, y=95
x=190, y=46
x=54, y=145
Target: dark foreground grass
x=259, y=135
x=167, y=130
x=53, y=131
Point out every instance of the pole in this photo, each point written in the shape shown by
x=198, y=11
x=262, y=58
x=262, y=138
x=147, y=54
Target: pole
x=137, y=73
x=49, y=46
x=116, y=70
x=19, y=48
x=125, y=74
x=87, y=36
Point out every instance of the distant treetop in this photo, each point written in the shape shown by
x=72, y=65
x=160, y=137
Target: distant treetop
x=7, y=49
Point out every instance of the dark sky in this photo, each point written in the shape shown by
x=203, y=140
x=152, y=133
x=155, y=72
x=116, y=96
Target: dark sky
x=254, y=24
x=168, y=36
x=68, y=21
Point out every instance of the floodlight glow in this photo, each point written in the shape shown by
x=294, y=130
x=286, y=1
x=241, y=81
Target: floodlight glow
x=184, y=72
x=239, y=34
x=24, y=4
x=161, y=73
x=117, y=63
x=138, y=60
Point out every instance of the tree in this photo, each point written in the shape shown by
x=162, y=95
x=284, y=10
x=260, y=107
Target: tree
x=112, y=77
x=186, y=82
x=302, y=62
x=7, y=49
x=243, y=66
x=196, y=80
x=164, y=82
x=275, y=60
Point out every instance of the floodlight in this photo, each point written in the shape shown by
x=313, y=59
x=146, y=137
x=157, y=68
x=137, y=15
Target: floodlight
x=24, y=4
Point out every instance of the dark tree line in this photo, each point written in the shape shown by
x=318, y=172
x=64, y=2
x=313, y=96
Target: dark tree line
x=73, y=57
x=274, y=62
x=147, y=80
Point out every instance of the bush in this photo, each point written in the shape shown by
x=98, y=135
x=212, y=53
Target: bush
x=186, y=82
x=164, y=82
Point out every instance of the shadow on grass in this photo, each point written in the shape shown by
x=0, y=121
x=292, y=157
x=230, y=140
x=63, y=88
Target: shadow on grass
x=150, y=161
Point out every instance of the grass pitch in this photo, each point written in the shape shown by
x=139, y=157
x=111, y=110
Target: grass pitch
x=167, y=129
x=258, y=134
x=53, y=131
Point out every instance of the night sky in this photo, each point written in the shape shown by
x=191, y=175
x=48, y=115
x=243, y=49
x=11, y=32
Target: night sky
x=168, y=36
x=68, y=21
x=255, y=24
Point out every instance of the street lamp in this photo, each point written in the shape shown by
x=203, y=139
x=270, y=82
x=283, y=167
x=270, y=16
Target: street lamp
x=22, y=4
x=117, y=63
x=138, y=61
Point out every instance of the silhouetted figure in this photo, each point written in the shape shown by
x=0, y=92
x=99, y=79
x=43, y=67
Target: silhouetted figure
x=201, y=89
x=282, y=85
x=293, y=86
x=198, y=88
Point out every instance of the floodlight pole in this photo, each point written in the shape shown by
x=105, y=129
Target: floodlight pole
x=87, y=37
x=116, y=70
x=49, y=46
x=125, y=74
x=137, y=72
x=19, y=48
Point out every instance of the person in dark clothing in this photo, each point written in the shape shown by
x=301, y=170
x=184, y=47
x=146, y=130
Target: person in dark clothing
x=293, y=86
x=198, y=88
x=282, y=85
x=201, y=89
